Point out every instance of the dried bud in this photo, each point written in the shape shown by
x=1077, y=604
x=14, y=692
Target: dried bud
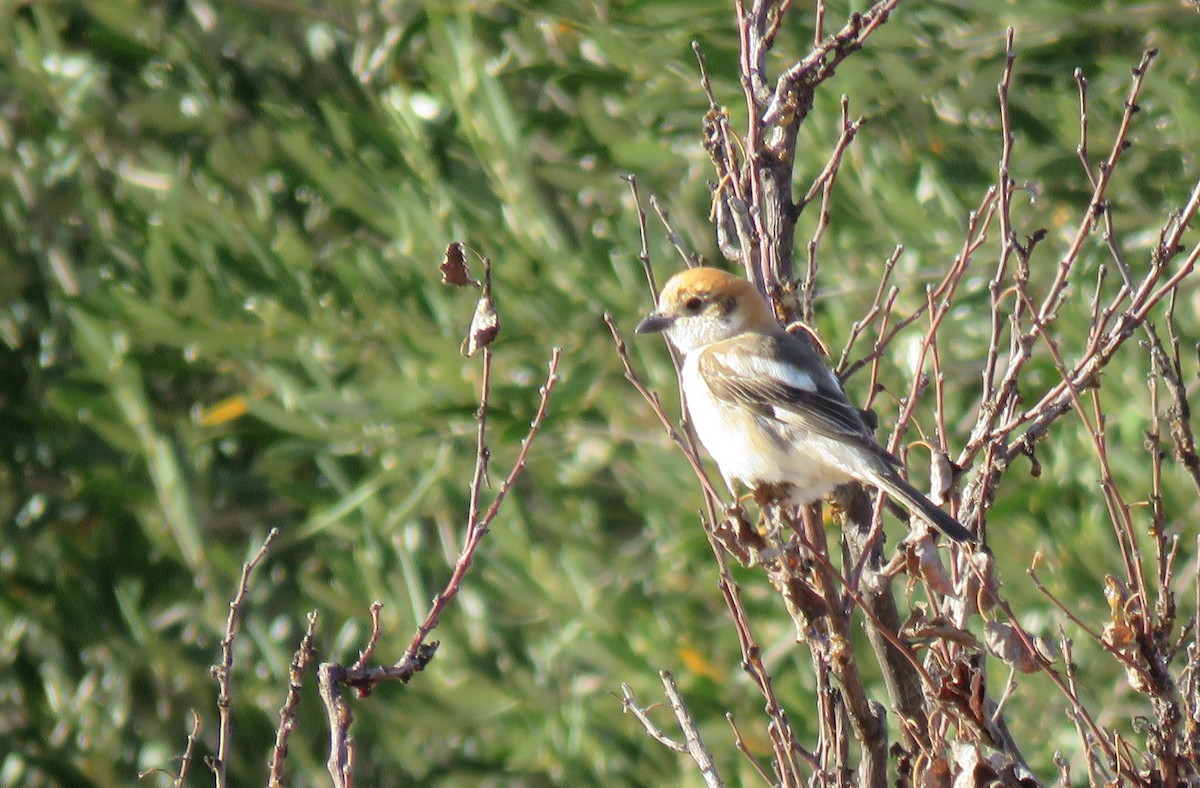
x=485, y=325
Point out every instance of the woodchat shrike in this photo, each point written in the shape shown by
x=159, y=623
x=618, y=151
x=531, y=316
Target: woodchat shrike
x=766, y=405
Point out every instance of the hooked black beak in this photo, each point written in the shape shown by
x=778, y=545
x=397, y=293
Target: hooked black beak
x=654, y=323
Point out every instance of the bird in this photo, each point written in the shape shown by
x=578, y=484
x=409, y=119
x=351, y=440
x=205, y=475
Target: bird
x=766, y=405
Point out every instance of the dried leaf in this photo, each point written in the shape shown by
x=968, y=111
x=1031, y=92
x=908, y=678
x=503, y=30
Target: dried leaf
x=962, y=686
x=1003, y=641
x=970, y=768
x=1117, y=635
x=1137, y=680
x=485, y=325
x=797, y=593
x=739, y=537
x=454, y=267
x=1117, y=598
x=930, y=567
x=1035, y=467
x=941, y=477
x=983, y=593
x=932, y=772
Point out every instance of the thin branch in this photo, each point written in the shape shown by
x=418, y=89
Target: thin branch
x=477, y=524
x=652, y=399
x=223, y=671
x=823, y=185
x=629, y=703
x=644, y=254
x=690, y=258
x=1054, y=297
x=691, y=734
x=364, y=656
x=1074, y=617
x=303, y=657
x=782, y=738
x=739, y=741
x=820, y=64
x=185, y=761
x=1047, y=668
x=705, y=82
x=860, y=325
x=332, y=677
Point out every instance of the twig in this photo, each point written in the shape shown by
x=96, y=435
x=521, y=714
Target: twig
x=652, y=399
x=823, y=185
x=782, y=738
x=740, y=742
x=332, y=677
x=690, y=258
x=303, y=657
x=629, y=703
x=644, y=254
x=978, y=223
x=364, y=657
x=1082, y=149
x=860, y=325
x=795, y=86
x=222, y=672
x=1097, y=771
x=1047, y=668
x=1053, y=300
x=866, y=716
x=188, y=750
x=478, y=524
x=705, y=82
x=688, y=436
x=1074, y=617
x=691, y=734
x=851, y=591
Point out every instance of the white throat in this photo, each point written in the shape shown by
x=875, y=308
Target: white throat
x=691, y=333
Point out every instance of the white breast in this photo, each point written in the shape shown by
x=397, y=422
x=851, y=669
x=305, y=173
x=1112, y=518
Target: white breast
x=751, y=449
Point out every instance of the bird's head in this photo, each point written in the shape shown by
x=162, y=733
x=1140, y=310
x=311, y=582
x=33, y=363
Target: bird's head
x=700, y=306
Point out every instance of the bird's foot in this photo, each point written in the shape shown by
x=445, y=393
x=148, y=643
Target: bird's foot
x=773, y=493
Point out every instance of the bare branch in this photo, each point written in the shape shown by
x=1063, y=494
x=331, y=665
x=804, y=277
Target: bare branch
x=477, y=523
x=364, y=657
x=303, y=657
x=823, y=185
x=362, y=678
x=695, y=745
x=629, y=703
x=740, y=742
x=223, y=672
x=185, y=761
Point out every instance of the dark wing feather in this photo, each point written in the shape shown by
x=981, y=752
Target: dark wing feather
x=822, y=409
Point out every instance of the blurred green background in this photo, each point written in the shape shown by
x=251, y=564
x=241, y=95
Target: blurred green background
x=220, y=225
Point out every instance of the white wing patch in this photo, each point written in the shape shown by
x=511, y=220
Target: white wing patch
x=751, y=366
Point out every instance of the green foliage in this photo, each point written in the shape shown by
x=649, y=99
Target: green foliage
x=220, y=313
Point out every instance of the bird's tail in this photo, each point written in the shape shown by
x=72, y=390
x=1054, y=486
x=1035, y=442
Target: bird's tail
x=916, y=503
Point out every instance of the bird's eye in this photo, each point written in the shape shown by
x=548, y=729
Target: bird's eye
x=693, y=304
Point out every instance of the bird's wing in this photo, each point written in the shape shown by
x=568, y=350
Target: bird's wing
x=776, y=381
